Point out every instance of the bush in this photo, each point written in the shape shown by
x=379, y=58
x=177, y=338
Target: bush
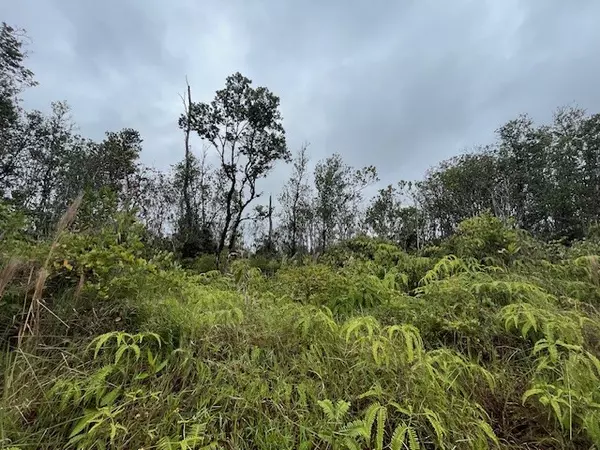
x=482, y=237
x=469, y=347
x=202, y=264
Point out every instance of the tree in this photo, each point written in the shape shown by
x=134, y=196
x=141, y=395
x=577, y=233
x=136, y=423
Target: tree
x=264, y=236
x=14, y=128
x=589, y=196
x=115, y=159
x=198, y=209
x=383, y=213
x=565, y=182
x=389, y=219
x=151, y=195
x=339, y=195
x=46, y=170
x=243, y=125
x=295, y=201
x=459, y=188
x=188, y=222
x=14, y=76
x=523, y=163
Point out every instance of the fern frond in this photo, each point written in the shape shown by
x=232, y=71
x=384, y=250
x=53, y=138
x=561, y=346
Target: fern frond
x=398, y=437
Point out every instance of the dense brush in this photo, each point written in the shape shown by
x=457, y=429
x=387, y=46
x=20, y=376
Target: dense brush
x=383, y=351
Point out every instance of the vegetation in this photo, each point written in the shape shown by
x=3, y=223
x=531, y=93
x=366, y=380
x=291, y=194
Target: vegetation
x=457, y=312
x=368, y=347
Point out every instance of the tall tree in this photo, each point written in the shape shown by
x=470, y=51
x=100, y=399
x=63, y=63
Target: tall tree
x=590, y=170
x=243, y=125
x=14, y=126
x=458, y=188
x=338, y=200
x=188, y=222
x=383, y=213
x=197, y=213
x=295, y=201
x=153, y=198
x=523, y=163
x=45, y=171
x=116, y=158
x=14, y=76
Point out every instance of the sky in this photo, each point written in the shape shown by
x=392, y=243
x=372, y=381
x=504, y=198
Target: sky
x=397, y=84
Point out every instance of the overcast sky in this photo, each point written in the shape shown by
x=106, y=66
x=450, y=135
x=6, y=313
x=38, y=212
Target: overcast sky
x=398, y=84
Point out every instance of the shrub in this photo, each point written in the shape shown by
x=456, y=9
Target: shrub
x=470, y=347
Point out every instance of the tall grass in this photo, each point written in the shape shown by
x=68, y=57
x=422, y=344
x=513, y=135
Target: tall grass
x=368, y=349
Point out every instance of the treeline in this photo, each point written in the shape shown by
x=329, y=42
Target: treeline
x=544, y=178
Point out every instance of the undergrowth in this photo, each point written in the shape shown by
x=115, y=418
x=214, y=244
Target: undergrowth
x=489, y=340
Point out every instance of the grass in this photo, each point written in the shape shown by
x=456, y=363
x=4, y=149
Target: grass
x=464, y=346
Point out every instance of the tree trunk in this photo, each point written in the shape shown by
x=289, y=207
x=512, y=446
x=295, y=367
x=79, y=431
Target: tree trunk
x=188, y=220
x=270, y=224
x=226, y=223
x=234, y=227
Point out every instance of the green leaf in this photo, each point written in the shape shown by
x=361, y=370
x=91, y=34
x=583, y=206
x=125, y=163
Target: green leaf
x=413, y=440
x=557, y=410
x=342, y=408
x=100, y=341
x=434, y=420
x=381, y=419
x=402, y=409
x=351, y=444
x=119, y=352
x=87, y=419
x=398, y=437
x=136, y=350
x=161, y=366
x=370, y=416
x=355, y=429
x=109, y=398
x=113, y=432
x=531, y=392
x=140, y=338
x=489, y=432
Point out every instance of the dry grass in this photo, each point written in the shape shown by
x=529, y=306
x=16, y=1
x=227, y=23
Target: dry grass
x=8, y=272
x=31, y=324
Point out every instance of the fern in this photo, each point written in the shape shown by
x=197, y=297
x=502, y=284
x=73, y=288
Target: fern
x=404, y=436
x=410, y=337
x=361, y=328
x=381, y=419
x=534, y=322
x=448, y=266
x=334, y=412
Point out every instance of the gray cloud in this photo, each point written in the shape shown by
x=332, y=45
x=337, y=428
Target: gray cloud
x=399, y=85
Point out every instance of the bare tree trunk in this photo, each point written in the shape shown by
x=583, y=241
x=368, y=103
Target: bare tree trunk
x=234, y=229
x=188, y=220
x=226, y=224
x=270, y=224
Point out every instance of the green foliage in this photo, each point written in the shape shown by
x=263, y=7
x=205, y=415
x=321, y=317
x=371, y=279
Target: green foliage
x=202, y=264
x=339, y=192
x=370, y=347
x=266, y=265
x=13, y=224
x=246, y=154
x=483, y=236
x=544, y=177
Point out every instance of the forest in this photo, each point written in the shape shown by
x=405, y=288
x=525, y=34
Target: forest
x=143, y=308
